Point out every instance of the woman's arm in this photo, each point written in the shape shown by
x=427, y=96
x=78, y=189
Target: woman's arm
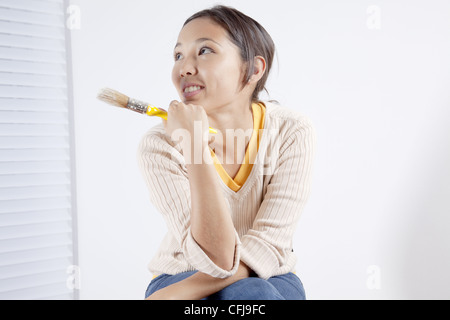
x=199, y=286
x=211, y=224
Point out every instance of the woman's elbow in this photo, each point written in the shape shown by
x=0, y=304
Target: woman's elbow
x=225, y=260
x=226, y=264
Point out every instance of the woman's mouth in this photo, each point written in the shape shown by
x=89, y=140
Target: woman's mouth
x=192, y=90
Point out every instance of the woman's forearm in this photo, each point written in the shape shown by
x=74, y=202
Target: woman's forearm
x=199, y=286
x=211, y=223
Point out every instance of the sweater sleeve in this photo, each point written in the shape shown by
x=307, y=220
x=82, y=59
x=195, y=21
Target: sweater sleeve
x=168, y=185
x=267, y=246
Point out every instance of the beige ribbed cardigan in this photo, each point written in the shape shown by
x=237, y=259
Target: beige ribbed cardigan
x=265, y=211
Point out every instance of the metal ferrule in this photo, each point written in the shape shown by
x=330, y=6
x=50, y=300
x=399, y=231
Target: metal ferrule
x=137, y=106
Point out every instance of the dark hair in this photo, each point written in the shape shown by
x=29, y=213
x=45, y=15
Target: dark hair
x=248, y=35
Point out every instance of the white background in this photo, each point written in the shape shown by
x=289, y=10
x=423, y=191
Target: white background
x=377, y=223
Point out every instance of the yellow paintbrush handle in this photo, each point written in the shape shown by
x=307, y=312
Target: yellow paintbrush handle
x=154, y=111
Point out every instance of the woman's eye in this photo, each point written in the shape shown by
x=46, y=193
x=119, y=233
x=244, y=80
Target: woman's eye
x=205, y=50
x=177, y=56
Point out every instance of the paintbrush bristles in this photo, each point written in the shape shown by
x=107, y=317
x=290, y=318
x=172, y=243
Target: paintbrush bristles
x=113, y=97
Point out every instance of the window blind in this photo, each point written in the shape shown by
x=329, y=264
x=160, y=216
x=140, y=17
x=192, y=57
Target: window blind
x=36, y=152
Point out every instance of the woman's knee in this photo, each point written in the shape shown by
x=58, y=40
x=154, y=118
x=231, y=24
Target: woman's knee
x=289, y=286
x=249, y=289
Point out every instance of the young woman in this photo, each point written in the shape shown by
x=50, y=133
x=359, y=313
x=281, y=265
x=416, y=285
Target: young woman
x=231, y=208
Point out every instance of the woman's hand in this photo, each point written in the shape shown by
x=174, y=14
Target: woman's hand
x=188, y=123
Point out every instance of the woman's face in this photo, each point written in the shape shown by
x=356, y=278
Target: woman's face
x=208, y=69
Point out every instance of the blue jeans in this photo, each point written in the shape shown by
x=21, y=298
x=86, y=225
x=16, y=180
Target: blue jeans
x=284, y=287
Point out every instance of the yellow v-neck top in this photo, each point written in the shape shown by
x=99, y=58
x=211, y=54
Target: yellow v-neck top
x=259, y=111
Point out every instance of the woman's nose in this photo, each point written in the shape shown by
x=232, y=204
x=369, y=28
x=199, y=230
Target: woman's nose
x=188, y=68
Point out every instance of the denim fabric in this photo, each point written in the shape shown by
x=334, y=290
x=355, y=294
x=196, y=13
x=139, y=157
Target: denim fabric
x=284, y=287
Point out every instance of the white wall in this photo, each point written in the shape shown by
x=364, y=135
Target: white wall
x=380, y=103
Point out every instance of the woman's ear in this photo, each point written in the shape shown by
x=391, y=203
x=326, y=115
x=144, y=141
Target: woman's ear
x=259, y=68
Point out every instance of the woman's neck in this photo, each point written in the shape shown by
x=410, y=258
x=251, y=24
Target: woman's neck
x=231, y=117
x=234, y=119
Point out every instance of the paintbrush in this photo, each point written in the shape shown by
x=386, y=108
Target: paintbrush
x=118, y=99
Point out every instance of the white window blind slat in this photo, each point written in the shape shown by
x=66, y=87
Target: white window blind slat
x=32, y=217
x=35, y=204
x=23, y=54
x=38, y=179
x=34, y=192
x=33, y=267
x=35, y=255
x=40, y=6
x=34, y=142
x=28, y=167
x=34, y=117
x=33, y=230
x=32, y=92
x=36, y=171
x=38, y=242
x=31, y=17
x=33, y=129
x=43, y=293
x=30, y=281
x=28, y=104
x=39, y=68
x=17, y=41
x=30, y=155
x=32, y=80
x=34, y=30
